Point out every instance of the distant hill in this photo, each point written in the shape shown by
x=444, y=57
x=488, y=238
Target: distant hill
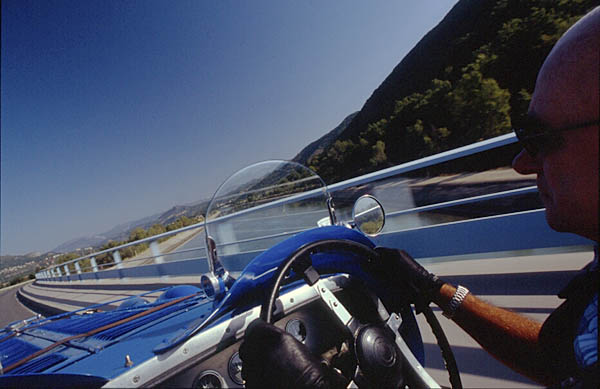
x=121, y=231
x=81, y=242
x=15, y=260
x=323, y=142
x=189, y=210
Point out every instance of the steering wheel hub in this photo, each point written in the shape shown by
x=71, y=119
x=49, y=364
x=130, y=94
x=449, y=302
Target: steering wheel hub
x=378, y=356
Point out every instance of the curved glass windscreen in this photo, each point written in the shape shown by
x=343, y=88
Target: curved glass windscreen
x=262, y=205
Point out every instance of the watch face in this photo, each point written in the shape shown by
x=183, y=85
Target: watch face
x=235, y=368
x=297, y=329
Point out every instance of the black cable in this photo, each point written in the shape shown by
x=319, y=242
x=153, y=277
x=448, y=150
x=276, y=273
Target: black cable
x=444, y=346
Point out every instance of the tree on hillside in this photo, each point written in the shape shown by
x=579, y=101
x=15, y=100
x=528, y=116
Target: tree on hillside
x=66, y=257
x=137, y=234
x=156, y=229
x=181, y=222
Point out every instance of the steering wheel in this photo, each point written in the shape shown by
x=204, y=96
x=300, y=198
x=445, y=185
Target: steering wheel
x=379, y=349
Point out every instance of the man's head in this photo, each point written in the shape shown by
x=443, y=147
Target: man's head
x=566, y=95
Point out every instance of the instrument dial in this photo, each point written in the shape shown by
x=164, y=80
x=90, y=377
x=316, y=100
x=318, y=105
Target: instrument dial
x=297, y=329
x=209, y=379
x=235, y=368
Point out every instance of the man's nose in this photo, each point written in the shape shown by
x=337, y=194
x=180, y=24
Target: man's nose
x=524, y=163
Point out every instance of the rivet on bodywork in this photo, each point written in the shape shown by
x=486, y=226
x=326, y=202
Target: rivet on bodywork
x=128, y=361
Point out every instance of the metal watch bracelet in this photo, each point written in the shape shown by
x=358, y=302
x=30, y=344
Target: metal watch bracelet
x=457, y=299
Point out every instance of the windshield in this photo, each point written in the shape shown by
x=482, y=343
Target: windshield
x=262, y=205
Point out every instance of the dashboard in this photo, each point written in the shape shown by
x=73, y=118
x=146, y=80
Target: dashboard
x=312, y=324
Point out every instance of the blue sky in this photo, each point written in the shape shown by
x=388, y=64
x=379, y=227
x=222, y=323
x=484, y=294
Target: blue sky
x=116, y=110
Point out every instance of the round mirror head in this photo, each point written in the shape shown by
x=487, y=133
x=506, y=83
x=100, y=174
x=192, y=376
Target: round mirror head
x=368, y=215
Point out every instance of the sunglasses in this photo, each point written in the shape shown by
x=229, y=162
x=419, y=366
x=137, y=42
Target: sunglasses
x=535, y=137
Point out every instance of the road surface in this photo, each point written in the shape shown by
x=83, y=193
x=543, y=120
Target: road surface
x=12, y=309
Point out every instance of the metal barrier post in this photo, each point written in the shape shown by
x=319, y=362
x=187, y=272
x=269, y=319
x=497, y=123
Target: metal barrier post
x=94, y=264
x=117, y=257
x=67, y=272
x=158, y=258
x=78, y=269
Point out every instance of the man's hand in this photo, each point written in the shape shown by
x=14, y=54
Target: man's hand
x=272, y=358
x=400, y=267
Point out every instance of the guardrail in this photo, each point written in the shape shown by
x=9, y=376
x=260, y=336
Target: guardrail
x=519, y=230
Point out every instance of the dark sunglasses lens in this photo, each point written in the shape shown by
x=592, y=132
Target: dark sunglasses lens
x=543, y=143
x=526, y=141
x=530, y=146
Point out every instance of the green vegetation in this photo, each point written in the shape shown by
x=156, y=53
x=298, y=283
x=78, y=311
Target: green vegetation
x=372, y=227
x=482, y=94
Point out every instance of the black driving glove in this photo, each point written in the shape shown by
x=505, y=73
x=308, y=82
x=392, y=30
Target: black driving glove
x=400, y=267
x=272, y=358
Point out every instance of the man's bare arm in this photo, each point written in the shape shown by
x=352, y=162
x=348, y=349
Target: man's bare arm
x=508, y=336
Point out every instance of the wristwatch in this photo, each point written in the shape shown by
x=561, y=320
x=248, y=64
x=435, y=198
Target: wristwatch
x=459, y=296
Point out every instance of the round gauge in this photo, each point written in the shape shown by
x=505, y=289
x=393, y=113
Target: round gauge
x=297, y=329
x=209, y=379
x=235, y=368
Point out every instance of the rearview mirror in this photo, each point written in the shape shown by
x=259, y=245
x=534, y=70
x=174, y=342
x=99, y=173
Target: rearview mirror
x=368, y=215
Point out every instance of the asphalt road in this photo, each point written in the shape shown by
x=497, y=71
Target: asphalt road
x=11, y=309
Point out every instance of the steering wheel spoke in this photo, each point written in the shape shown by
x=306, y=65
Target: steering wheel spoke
x=332, y=302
